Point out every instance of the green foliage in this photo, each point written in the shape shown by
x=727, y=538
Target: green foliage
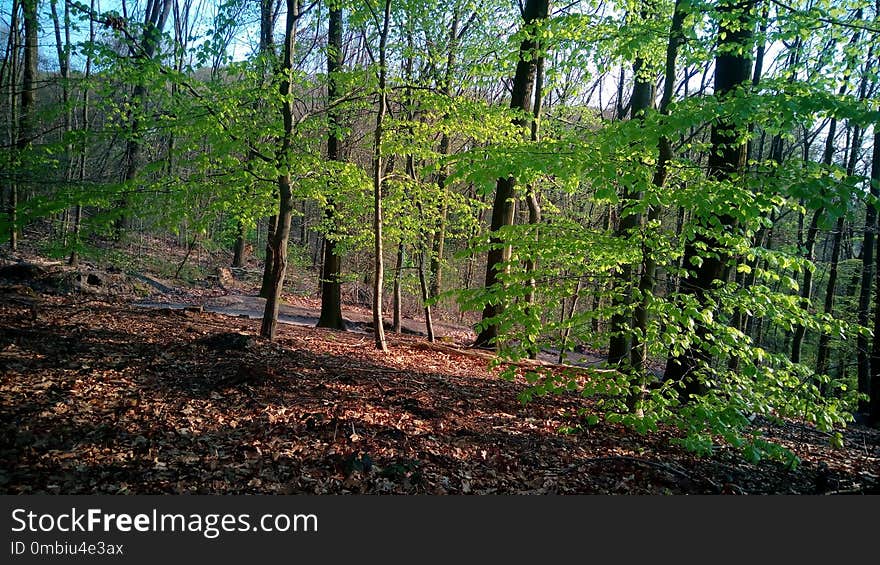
x=742, y=382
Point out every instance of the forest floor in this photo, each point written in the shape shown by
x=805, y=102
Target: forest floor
x=99, y=395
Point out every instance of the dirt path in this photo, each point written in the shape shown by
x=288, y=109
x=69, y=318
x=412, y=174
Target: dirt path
x=305, y=313
x=358, y=320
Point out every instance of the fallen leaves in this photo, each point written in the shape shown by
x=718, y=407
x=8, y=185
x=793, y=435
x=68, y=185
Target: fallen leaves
x=104, y=398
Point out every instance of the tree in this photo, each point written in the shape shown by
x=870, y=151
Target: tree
x=619, y=349
x=9, y=74
x=866, y=360
x=85, y=117
x=727, y=159
x=331, y=271
x=813, y=229
x=445, y=83
x=647, y=279
x=504, y=205
x=267, y=54
x=874, y=384
x=378, y=172
x=28, y=121
x=281, y=233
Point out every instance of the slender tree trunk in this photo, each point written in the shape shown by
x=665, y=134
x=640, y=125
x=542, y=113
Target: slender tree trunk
x=619, y=347
x=9, y=69
x=807, y=286
x=813, y=230
x=738, y=321
x=398, y=273
x=874, y=402
x=28, y=123
x=647, y=279
x=285, y=193
x=238, y=250
x=422, y=251
x=503, y=208
x=823, y=353
x=726, y=158
x=267, y=26
x=423, y=284
x=758, y=69
x=566, y=332
x=471, y=265
x=267, y=53
x=189, y=250
x=331, y=272
x=810, y=243
x=62, y=49
x=620, y=108
x=85, y=120
x=868, y=363
x=436, y=262
x=269, y=263
x=532, y=199
x=379, y=264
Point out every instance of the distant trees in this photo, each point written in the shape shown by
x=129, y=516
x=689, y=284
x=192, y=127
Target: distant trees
x=155, y=15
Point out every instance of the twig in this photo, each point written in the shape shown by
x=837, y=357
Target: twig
x=854, y=490
x=657, y=464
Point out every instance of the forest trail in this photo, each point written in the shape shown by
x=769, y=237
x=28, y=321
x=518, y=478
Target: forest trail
x=357, y=321
x=300, y=311
x=252, y=307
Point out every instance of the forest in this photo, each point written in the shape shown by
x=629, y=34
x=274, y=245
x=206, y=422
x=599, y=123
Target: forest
x=652, y=216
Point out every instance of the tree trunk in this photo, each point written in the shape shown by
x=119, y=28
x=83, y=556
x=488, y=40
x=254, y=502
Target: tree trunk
x=532, y=199
x=647, y=279
x=503, y=207
x=238, y=251
x=812, y=231
x=285, y=194
x=62, y=49
x=9, y=72
x=867, y=363
x=566, y=332
x=874, y=403
x=269, y=263
x=398, y=273
x=267, y=26
x=619, y=347
x=807, y=286
x=28, y=124
x=726, y=158
x=423, y=285
x=824, y=350
x=436, y=262
x=331, y=270
x=267, y=52
x=379, y=263
x=278, y=243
